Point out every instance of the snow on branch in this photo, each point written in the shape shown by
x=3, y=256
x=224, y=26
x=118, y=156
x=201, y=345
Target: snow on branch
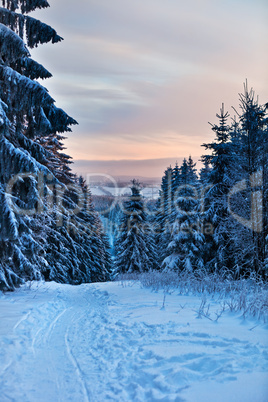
x=11, y=45
x=3, y=118
x=13, y=20
x=30, y=68
x=36, y=31
x=25, y=5
x=59, y=119
x=17, y=160
x=22, y=89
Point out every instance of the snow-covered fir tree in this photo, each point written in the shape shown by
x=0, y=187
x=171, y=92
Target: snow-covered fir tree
x=175, y=179
x=166, y=192
x=248, y=228
x=90, y=222
x=236, y=203
x=135, y=247
x=205, y=173
x=185, y=249
x=166, y=213
x=218, y=246
x=39, y=237
x=164, y=209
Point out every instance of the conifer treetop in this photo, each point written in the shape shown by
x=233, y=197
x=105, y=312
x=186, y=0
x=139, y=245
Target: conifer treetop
x=222, y=129
x=135, y=187
x=36, y=32
x=25, y=6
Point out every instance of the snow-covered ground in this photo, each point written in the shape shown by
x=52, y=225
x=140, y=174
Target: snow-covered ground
x=108, y=342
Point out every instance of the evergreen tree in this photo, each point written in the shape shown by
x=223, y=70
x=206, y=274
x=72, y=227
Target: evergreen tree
x=185, y=248
x=192, y=172
x=249, y=162
x=39, y=235
x=135, y=248
x=24, y=104
x=218, y=246
x=172, y=181
x=101, y=265
x=237, y=200
x=164, y=210
x=205, y=173
x=175, y=179
x=166, y=192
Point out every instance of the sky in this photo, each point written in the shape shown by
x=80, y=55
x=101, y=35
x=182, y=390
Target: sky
x=143, y=78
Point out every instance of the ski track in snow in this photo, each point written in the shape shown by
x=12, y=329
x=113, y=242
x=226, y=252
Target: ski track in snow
x=105, y=342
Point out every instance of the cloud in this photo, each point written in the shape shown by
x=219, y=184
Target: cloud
x=131, y=167
x=144, y=77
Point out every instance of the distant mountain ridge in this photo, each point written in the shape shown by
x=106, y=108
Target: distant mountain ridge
x=145, y=170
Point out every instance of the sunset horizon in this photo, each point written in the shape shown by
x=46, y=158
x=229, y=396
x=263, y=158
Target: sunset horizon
x=144, y=79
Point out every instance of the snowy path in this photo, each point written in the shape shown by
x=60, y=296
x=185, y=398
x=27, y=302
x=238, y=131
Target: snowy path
x=107, y=342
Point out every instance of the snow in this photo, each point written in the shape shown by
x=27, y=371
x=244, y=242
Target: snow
x=147, y=192
x=120, y=342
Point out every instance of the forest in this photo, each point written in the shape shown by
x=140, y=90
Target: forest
x=214, y=220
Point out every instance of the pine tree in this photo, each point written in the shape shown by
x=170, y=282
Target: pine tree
x=175, y=179
x=39, y=235
x=185, y=249
x=135, y=248
x=22, y=110
x=218, y=246
x=164, y=210
x=166, y=192
x=205, y=173
x=192, y=171
x=249, y=150
x=101, y=265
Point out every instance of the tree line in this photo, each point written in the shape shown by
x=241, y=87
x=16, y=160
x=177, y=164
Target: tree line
x=39, y=237
x=214, y=221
